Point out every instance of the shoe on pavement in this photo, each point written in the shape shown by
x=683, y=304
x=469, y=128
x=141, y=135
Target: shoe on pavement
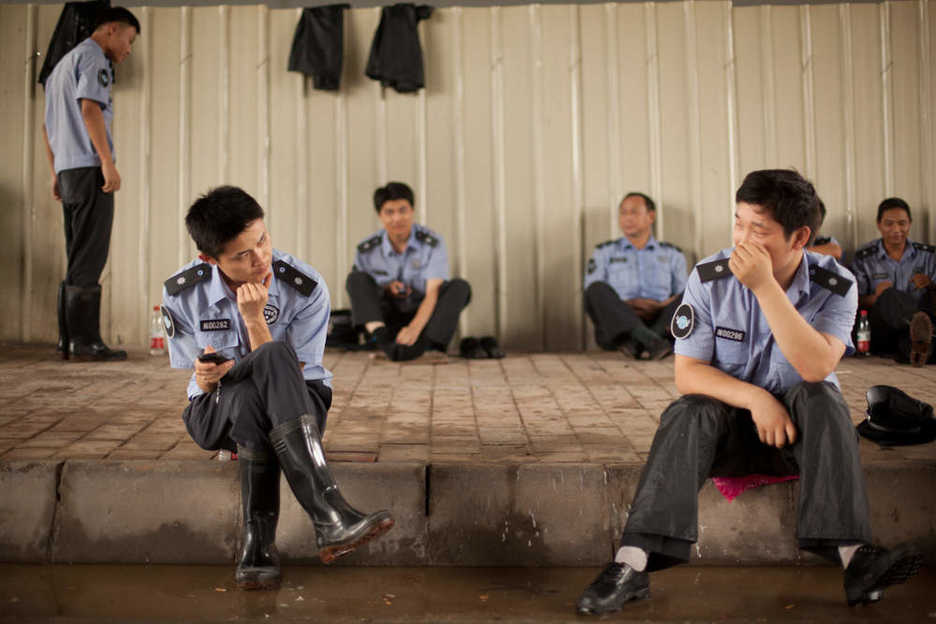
x=873, y=568
x=616, y=585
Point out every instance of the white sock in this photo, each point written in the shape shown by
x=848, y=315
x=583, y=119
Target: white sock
x=846, y=553
x=632, y=556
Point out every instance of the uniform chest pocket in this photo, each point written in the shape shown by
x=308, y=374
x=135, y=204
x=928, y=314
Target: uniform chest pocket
x=220, y=334
x=731, y=350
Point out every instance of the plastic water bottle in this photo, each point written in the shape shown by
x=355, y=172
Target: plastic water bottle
x=863, y=335
x=157, y=337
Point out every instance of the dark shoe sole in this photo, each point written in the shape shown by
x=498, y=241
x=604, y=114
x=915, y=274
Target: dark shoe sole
x=330, y=553
x=921, y=335
x=640, y=594
x=902, y=570
x=258, y=579
x=74, y=357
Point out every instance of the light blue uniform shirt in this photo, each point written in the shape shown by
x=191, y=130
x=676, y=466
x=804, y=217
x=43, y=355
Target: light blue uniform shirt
x=731, y=333
x=658, y=271
x=204, y=312
x=83, y=73
x=424, y=258
x=872, y=266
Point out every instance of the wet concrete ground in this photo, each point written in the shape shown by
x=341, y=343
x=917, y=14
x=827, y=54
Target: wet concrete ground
x=113, y=593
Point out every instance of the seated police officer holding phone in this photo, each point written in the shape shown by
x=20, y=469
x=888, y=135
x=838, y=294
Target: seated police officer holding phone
x=252, y=321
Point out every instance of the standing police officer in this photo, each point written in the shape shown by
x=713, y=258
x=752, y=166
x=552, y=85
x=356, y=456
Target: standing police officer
x=633, y=284
x=77, y=131
x=897, y=282
x=252, y=321
x=399, y=286
x=760, y=330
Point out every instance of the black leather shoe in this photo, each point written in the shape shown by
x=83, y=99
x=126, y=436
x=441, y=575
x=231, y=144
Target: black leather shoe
x=339, y=527
x=82, y=312
x=873, y=568
x=616, y=585
x=631, y=348
x=259, y=563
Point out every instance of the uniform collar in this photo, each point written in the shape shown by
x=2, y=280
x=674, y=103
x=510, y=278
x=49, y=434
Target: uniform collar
x=651, y=243
x=909, y=251
x=218, y=290
x=387, y=246
x=801, y=284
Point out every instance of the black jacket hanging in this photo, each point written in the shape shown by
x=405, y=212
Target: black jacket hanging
x=317, y=45
x=75, y=24
x=396, y=56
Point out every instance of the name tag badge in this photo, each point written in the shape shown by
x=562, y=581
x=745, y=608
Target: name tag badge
x=209, y=325
x=729, y=334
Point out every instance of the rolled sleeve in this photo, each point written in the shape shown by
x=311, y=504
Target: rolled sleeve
x=438, y=265
x=90, y=86
x=700, y=343
x=183, y=349
x=837, y=317
x=308, y=329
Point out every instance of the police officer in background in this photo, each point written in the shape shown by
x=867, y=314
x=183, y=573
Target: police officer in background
x=399, y=286
x=897, y=283
x=759, y=332
x=77, y=132
x=633, y=285
x=251, y=320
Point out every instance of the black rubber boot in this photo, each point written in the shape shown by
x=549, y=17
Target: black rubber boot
x=259, y=564
x=83, y=315
x=339, y=527
x=62, y=345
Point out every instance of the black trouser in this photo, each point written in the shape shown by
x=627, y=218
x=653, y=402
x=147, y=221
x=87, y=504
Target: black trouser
x=263, y=390
x=614, y=320
x=701, y=437
x=369, y=302
x=890, y=321
x=89, y=216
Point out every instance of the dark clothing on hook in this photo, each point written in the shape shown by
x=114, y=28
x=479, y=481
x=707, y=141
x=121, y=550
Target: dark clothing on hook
x=317, y=45
x=75, y=24
x=395, y=56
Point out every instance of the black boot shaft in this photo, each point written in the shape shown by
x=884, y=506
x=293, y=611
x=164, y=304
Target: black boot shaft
x=259, y=564
x=83, y=316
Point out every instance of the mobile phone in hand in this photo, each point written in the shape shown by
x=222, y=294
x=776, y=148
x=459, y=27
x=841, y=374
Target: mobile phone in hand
x=213, y=358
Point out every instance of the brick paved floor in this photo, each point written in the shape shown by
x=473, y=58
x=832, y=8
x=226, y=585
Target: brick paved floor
x=579, y=407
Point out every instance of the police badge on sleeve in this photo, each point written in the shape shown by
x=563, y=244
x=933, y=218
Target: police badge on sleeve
x=683, y=321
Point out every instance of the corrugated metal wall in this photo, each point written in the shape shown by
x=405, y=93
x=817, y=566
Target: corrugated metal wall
x=535, y=121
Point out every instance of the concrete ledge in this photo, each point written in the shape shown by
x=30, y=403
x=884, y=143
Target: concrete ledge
x=478, y=514
x=27, y=509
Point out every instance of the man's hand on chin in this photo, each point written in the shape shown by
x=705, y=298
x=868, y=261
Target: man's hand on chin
x=252, y=298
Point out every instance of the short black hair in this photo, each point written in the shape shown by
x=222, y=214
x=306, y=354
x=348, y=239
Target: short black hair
x=790, y=198
x=393, y=190
x=651, y=207
x=117, y=14
x=891, y=203
x=219, y=216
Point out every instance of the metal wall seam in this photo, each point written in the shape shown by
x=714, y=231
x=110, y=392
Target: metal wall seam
x=342, y=184
x=578, y=186
x=29, y=154
x=887, y=100
x=928, y=170
x=146, y=157
x=809, y=92
x=535, y=14
x=302, y=162
x=224, y=142
x=731, y=80
x=614, y=117
x=185, y=131
x=422, y=135
x=498, y=164
x=848, y=119
x=654, y=122
x=695, y=125
x=768, y=84
x=458, y=119
x=263, y=108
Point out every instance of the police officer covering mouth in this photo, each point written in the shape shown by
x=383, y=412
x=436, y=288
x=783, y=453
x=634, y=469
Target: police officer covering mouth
x=633, y=285
x=759, y=332
x=263, y=315
x=400, y=288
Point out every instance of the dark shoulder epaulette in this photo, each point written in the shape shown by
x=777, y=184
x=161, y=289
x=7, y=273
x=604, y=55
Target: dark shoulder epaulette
x=924, y=247
x=605, y=244
x=369, y=244
x=670, y=245
x=830, y=280
x=294, y=277
x=425, y=237
x=717, y=269
x=187, y=278
x=867, y=252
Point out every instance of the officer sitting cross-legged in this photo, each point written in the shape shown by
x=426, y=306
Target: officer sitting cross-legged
x=633, y=285
x=897, y=283
x=263, y=315
x=759, y=332
x=399, y=287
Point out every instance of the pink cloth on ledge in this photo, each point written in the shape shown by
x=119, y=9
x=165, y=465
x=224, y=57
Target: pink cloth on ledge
x=730, y=487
